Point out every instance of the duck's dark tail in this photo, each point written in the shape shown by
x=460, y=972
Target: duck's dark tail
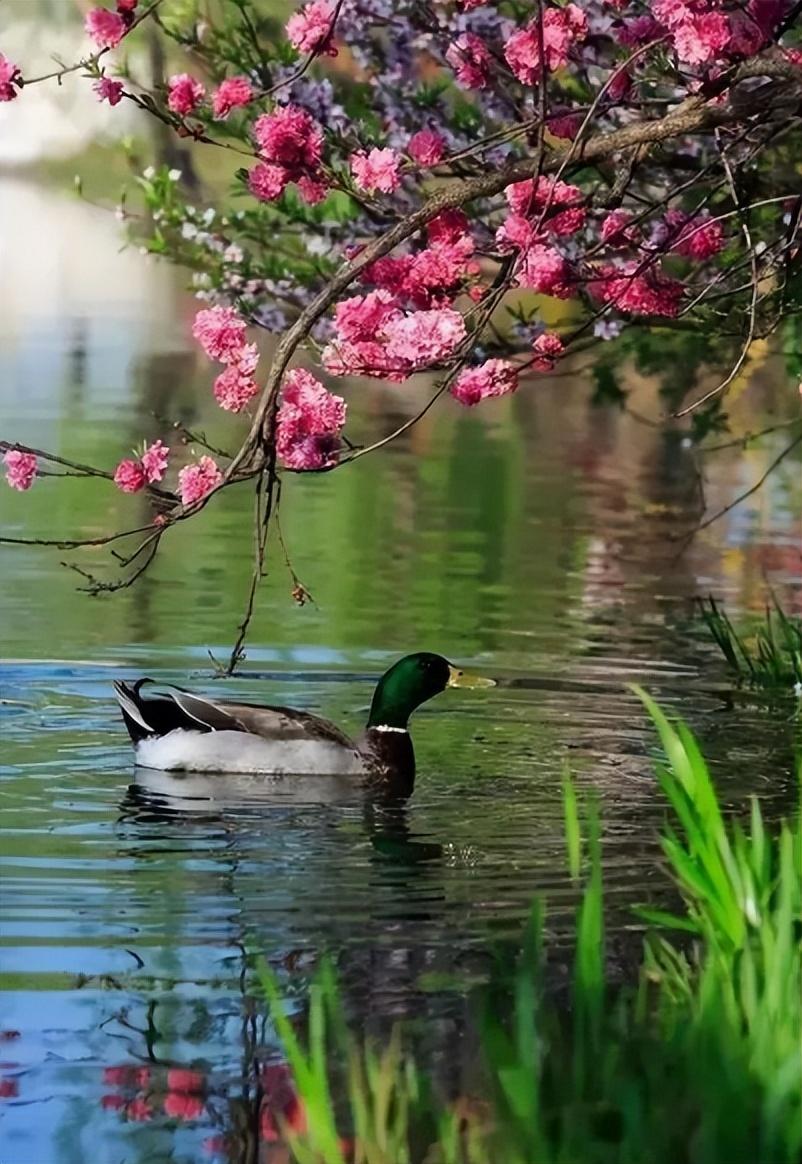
x=134, y=709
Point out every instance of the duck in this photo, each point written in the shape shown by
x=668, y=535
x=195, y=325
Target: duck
x=175, y=730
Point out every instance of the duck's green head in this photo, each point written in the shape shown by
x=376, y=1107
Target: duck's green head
x=410, y=682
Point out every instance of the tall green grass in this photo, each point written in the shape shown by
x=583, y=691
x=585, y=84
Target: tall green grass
x=699, y=1062
x=772, y=657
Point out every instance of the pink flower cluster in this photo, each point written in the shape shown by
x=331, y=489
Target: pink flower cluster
x=702, y=34
x=547, y=349
x=434, y=275
x=542, y=210
x=376, y=170
x=562, y=28
x=109, y=90
x=233, y=93
x=697, y=238
x=20, y=469
x=637, y=292
x=471, y=60
x=107, y=28
x=376, y=338
x=291, y=143
x=426, y=147
x=195, y=481
x=9, y=79
x=220, y=331
x=131, y=476
x=184, y=94
x=309, y=30
x=309, y=422
x=492, y=378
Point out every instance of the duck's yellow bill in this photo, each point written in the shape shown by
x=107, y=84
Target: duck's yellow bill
x=457, y=678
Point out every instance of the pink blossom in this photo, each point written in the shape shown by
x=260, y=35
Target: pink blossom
x=104, y=27
x=449, y=226
x=195, y=481
x=184, y=93
x=181, y=1105
x=309, y=29
x=565, y=125
x=492, y=378
x=389, y=272
x=694, y=238
x=426, y=147
x=436, y=273
x=220, y=331
x=109, y=90
x=562, y=29
x=424, y=337
x=364, y=358
x=640, y=30
x=266, y=182
x=309, y=422
x=112, y=1102
x=312, y=190
x=154, y=461
x=616, y=229
x=646, y=292
x=361, y=317
x=701, y=38
x=515, y=233
x=184, y=1079
x=139, y=1109
x=130, y=476
x=546, y=271
x=471, y=60
x=547, y=348
x=290, y=137
x=234, y=387
x=126, y=6
x=528, y=197
x=20, y=469
x=231, y=94
x=377, y=170
x=9, y=78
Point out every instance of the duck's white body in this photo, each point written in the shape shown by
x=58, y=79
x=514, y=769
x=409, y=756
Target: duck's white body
x=238, y=752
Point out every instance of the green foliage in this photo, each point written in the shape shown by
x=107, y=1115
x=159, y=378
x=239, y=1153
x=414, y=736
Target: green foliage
x=772, y=657
x=700, y=1064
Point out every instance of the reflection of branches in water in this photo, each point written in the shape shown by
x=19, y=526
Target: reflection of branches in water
x=722, y=105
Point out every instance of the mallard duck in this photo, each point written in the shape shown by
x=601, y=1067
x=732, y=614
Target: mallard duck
x=174, y=730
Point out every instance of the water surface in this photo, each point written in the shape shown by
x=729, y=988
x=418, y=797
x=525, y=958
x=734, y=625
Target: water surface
x=536, y=539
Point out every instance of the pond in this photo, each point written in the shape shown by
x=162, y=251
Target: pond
x=537, y=539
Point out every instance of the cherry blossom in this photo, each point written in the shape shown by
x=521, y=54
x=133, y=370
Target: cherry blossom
x=109, y=90
x=196, y=481
x=471, y=60
x=426, y=147
x=20, y=469
x=289, y=137
x=154, y=461
x=562, y=29
x=184, y=94
x=308, y=423
x=220, y=331
x=547, y=348
x=9, y=77
x=694, y=238
x=236, y=386
x=308, y=30
x=232, y=93
x=638, y=291
x=130, y=476
x=492, y=378
x=267, y=182
x=377, y=170
x=104, y=27
x=424, y=337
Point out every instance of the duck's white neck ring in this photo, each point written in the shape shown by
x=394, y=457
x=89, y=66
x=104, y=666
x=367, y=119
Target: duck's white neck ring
x=385, y=727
